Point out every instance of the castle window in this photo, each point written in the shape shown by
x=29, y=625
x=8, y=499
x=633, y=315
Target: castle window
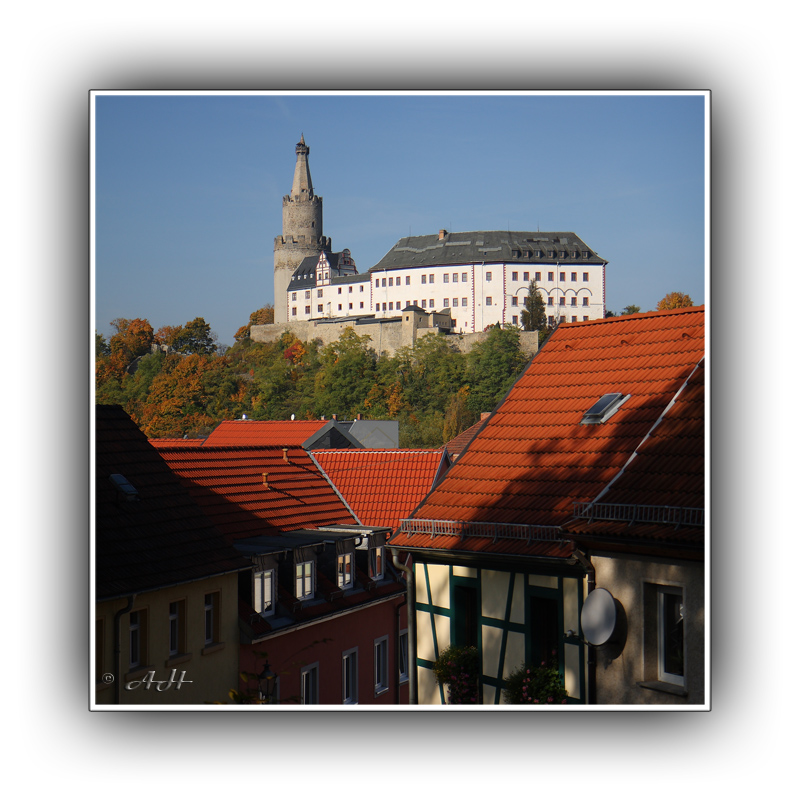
x=349, y=305
x=391, y=305
x=573, y=301
x=455, y=277
x=408, y=280
x=424, y=278
x=463, y=302
x=573, y=276
x=361, y=304
x=562, y=276
x=377, y=283
x=515, y=320
x=383, y=282
x=319, y=308
x=550, y=320
x=431, y=277
x=431, y=303
x=549, y=276
x=308, y=309
x=446, y=302
x=562, y=301
x=463, y=277
x=538, y=254
x=515, y=301
x=446, y=279
x=537, y=276
x=340, y=306
x=319, y=292
x=391, y=281
x=488, y=277
x=424, y=303
x=340, y=290
x=549, y=301
x=574, y=319
x=585, y=276
x=526, y=276
x=294, y=312
x=294, y=295
x=349, y=290
x=515, y=276
x=586, y=319
x=384, y=306
x=586, y=301
x=586, y=254
x=488, y=301
x=361, y=288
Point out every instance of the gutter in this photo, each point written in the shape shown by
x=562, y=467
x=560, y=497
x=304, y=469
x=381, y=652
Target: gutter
x=412, y=629
x=117, y=645
x=592, y=652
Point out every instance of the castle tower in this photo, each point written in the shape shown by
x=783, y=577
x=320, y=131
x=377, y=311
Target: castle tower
x=302, y=230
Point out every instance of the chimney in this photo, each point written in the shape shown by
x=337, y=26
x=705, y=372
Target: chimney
x=265, y=478
x=286, y=454
x=442, y=234
x=334, y=417
x=358, y=416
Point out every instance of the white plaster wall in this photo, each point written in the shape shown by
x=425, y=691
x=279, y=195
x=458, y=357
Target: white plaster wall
x=439, y=577
x=570, y=594
x=572, y=670
x=427, y=688
x=515, y=652
x=442, y=631
x=494, y=593
x=465, y=572
x=425, y=636
x=545, y=581
x=490, y=648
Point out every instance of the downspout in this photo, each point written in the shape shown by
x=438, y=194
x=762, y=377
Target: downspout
x=592, y=655
x=117, y=646
x=397, y=650
x=412, y=629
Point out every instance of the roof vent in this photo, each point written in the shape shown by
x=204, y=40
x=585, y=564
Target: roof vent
x=605, y=407
x=124, y=486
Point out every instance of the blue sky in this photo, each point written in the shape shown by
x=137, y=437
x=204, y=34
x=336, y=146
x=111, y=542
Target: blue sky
x=188, y=188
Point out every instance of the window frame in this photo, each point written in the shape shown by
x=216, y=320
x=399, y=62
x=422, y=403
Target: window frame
x=300, y=581
x=665, y=676
x=380, y=671
x=309, y=680
x=259, y=580
x=210, y=617
x=402, y=656
x=137, y=633
x=350, y=687
x=344, y=558
x=374, y=573
x=177, y=628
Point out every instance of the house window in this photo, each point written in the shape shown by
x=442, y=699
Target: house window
x=515, y=320
x=585, y=276
x=526, y=276
x=211, y=617
x=488, y=277
x=574, y=319
x=376, y=562
x=455, y=277
x=463, y=301
x=537, y=276
x=424, y=303
x=383, y=282
x=562, y=301
x=294, y=295
x=573, y=301
x=402, y=656
x=319, y=292
x=463, y=277
x=264, y=592
x=99, y=649
x=573, y=276
x=514, y=276
x=350, y=677
x=308, y=309
x=391, y=281
x=446, y=278
x=361, y=288
x=344, y=571
x=177, y=627
x=339, y=290
x=488, y=301
x=391, y=306
x=138, y=638
x=465, y=615
x=319, y=308
x=349, y=306
x=586, y=319
x=670, y=636
x=551, y=319
x=309, y=685
x=308, y=294
x=304, y=580
x=446, y=301
x=349, y=290
x=549, y=301
x=294, y=311
x=339, y=307
x=361, y=304
x=514, y=301
x=384, y=306
x=408, y=280
x=381, y=665
x=562, y=276
x=431, y=278
x=431, y=303
x=424, y=278
x=549, y=276
x=586, y=301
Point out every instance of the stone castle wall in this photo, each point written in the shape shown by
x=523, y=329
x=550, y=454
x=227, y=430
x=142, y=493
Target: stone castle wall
x=387, y=335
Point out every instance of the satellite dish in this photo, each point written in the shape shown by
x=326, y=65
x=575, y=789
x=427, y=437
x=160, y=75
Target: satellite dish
x=599, y=617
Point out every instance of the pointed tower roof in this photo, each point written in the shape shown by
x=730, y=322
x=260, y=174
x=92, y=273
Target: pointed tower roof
x=301, y=186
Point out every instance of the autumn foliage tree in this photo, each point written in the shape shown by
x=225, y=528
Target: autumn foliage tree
x=263, y=316
x=674, y=300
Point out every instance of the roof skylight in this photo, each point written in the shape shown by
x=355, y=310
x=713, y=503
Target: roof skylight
x=605, y=407
x=124, y=486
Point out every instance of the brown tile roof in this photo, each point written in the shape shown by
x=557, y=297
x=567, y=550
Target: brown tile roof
x=382, y=486
x=534, y=458
x=158, y=443
x=458, y=443
x=161, y=537
x=228, y=484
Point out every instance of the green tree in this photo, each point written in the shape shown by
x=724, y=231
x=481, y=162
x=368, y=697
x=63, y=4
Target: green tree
x=458, y=416
x=630, y=310
x=347, y=372
x=674, y=300
x=492, y=367
x=534, y=315
x=195, y=338
x=101, y=347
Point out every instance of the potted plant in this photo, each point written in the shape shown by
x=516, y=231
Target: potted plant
x=458, y=668
x=540, y=684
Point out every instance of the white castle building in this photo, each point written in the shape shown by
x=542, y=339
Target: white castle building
x=477, y=278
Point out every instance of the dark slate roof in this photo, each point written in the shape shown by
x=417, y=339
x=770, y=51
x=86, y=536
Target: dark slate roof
x=160, y=538
x=486, y=246
x=305, y=275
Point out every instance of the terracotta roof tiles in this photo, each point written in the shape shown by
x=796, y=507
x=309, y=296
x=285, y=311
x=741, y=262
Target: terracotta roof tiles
x=245, y=432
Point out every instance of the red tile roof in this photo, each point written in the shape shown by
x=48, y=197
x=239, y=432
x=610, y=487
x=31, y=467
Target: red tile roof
x=457, y=444
x=161, y=537
x=382, y=486
x=533, y=458
x=228, y=484
x=232, y=433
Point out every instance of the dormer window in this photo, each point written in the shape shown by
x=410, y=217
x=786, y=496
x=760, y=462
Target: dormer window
x=604, y=408
x=304, y=580
x=376, y=562
x=264, y=592
x=344, y=571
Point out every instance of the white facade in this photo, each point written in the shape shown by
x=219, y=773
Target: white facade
x=477, y=295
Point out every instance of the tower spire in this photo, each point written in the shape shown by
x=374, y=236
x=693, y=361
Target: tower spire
x=301, y=185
